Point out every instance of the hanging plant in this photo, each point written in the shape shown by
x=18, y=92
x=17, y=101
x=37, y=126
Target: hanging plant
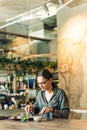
x=30, y=66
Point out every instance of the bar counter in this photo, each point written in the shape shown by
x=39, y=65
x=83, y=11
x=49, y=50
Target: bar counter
x=55, y=124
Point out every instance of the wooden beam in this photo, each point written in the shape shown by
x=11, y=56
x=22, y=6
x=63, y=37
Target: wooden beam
x=32, y=37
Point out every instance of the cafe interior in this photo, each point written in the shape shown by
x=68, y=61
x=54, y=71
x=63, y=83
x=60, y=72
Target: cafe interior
x=37, y=34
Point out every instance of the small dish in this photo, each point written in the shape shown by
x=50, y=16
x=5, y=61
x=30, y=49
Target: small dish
x=37, y=118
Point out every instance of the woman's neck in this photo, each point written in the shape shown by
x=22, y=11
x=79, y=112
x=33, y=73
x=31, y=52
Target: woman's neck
x=49, y=94
x=50, y=89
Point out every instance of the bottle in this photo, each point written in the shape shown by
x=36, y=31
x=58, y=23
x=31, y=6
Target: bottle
x=5, y=106
x=14, y=101
x=0, y=106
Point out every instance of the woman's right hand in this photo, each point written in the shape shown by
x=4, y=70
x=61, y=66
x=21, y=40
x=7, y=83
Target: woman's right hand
x=29, y=107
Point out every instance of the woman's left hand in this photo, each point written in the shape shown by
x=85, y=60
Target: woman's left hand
x=46, y=110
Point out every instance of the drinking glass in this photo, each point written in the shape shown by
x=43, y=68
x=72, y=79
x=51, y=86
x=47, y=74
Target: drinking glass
x=24, y=117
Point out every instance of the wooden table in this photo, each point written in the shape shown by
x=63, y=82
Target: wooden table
x=56, y=124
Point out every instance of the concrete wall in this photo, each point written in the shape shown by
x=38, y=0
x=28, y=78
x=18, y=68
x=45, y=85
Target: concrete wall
x=72, y=54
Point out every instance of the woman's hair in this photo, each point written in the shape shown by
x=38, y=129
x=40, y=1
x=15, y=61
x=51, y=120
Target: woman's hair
x=45, y=73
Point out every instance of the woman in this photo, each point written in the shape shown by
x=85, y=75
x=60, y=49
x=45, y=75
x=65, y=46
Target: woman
x=51, y=101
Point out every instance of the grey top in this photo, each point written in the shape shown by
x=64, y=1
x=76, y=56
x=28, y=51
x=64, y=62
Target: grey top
x=59, y=101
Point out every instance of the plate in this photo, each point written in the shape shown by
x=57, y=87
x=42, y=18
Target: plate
x=18, y=119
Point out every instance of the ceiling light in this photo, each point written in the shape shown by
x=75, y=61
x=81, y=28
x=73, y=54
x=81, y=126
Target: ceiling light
x=17, y=21
x=64, y=5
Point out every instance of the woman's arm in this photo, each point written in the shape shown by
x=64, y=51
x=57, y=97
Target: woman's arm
x=64, y=109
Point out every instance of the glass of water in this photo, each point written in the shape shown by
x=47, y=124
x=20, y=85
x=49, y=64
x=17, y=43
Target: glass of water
x=24, y=117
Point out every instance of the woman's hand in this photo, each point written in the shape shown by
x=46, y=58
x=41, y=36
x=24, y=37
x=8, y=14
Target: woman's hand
x=46, y=110
x=29, y=107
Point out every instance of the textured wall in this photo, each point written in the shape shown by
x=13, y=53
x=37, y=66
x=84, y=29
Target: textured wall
x=72, y=56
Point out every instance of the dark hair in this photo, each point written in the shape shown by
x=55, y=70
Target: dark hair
x=45, y=73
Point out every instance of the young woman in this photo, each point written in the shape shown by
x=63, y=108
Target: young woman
x=51, y=101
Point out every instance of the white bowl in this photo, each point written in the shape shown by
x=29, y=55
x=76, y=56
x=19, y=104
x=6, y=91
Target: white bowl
x=37, y=118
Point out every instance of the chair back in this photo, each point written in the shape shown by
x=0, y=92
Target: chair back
x=4, y=100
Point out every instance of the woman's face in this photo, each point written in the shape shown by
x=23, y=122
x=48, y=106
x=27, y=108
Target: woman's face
x=44, y=83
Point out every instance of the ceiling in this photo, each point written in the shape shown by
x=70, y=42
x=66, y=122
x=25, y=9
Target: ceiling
x=34, y=27
x=43, y=28
x=40, y=29
x=19, y=46
x=10, y=9
x=28, y=28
